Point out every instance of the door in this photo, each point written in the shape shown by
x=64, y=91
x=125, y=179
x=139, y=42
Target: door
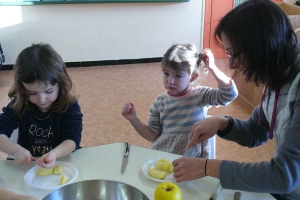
x=214, y=11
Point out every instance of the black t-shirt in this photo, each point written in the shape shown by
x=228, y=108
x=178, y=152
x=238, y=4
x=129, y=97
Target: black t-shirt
x=40, y=134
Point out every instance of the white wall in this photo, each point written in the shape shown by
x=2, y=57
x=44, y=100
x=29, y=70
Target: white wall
x=89, y=32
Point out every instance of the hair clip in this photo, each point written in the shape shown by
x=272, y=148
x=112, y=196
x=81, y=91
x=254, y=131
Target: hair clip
x=199, y=56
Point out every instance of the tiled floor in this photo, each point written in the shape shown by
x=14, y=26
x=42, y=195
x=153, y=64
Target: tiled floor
x=103, y=91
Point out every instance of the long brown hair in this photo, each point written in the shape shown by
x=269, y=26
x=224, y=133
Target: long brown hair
x=40, y=62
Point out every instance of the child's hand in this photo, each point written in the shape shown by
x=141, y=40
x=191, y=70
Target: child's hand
x=47, y=160
x=128, y=111
x=23, y=156
x=208, y=59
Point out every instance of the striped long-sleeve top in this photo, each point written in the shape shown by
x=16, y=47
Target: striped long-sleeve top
x=172, y=118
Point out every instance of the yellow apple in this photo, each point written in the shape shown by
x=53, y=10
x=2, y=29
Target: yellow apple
x=164, y=165
x=63, y=180
x=157, y=173
x=44, y=171
x=57, y=170
x=161, y=166
x=167, y=191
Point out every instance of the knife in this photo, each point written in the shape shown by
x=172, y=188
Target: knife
x=216, y=192
x=189, y=152
x=125, y=157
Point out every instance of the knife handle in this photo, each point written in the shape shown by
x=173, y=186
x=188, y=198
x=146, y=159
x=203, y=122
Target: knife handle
x=126, y=151
x=237, y=196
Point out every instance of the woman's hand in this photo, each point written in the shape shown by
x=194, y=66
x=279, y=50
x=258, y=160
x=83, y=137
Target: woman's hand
x=187, y=168
x=47, y=160
x=22, y=156
x=129, y=112
x=206, y=129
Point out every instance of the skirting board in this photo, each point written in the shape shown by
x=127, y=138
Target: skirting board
x=101, y=62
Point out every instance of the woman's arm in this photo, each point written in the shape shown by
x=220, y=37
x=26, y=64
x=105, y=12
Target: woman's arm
x=187, y=168
x=249, y=132
x=279, y=175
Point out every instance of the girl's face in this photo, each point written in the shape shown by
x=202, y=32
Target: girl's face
x=176, y=82
x=42, y=95
x=233, y=63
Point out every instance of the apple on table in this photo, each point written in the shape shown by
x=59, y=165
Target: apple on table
x=167, y=191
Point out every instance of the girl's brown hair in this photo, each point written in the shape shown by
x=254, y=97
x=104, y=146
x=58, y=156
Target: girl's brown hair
x=40, y=62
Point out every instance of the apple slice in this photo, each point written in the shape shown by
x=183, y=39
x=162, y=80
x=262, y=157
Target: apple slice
x=156, y=173
x=163, y=166
x=170, y=168
x=167, y=166
x=63, y=180
x=57, y=170
x=164, y=160
x=44, y=171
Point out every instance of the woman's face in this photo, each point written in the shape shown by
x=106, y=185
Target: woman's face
x=233, y=63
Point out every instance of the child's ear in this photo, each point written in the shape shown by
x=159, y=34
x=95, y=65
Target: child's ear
x=194, y=76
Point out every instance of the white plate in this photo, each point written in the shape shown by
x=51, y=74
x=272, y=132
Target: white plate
x=152, y=162
x=50, y=182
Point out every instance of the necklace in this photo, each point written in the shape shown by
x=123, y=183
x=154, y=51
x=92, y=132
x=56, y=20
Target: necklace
x=40, y=118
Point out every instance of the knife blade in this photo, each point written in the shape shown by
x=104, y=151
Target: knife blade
x=125, y=157
x=216, y=192
x=189, y=152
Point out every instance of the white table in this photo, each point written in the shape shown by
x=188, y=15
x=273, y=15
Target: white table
x=104, y=162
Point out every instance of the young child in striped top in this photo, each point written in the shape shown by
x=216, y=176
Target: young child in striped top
x=174, y=112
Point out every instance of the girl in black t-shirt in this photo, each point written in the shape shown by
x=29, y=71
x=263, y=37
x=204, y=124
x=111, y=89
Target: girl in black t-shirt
x=43, y=107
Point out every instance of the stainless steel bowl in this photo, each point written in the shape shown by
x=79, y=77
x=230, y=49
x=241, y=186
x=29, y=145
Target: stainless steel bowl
x=97, y=189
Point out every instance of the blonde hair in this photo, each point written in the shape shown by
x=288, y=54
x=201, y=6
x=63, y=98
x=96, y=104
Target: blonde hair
x=185, y=57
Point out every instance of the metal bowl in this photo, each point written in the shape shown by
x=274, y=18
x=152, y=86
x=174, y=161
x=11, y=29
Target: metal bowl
x=97, y=189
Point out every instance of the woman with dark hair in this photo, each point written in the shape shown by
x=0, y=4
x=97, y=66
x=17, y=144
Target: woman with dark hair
x=261, y=45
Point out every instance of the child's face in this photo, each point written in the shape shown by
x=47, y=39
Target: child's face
x=42, y=95
x=176, y=82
